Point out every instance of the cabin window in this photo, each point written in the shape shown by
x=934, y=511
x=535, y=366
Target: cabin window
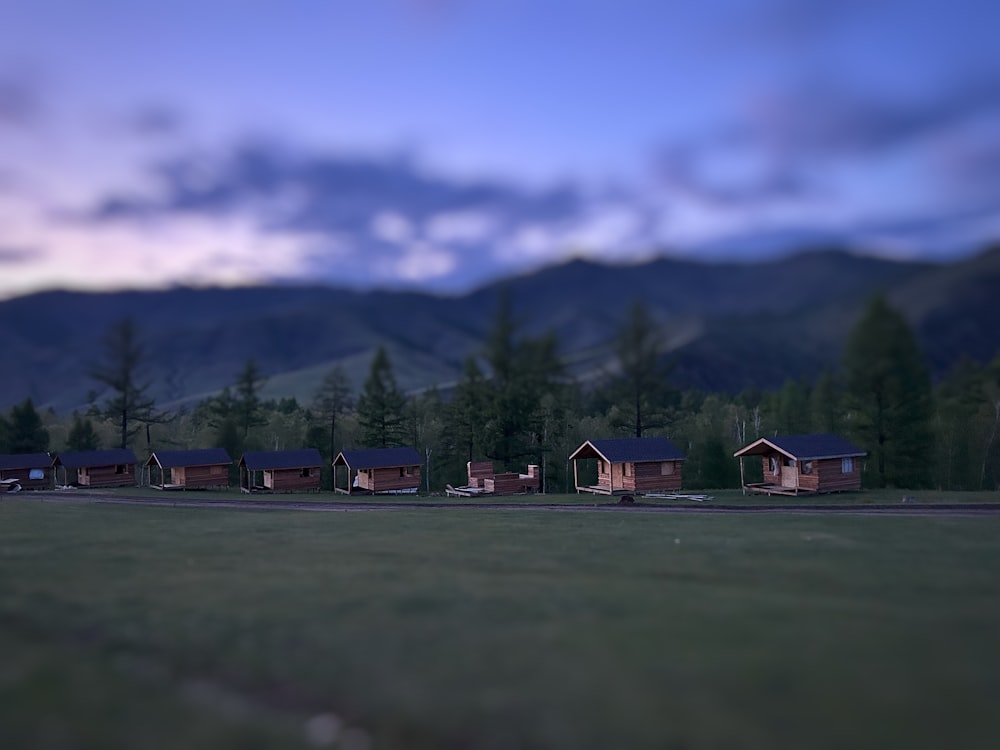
x=847, y=466
x=306, y=472
x=666, y=468
x=600, y=465
x=36, y=474
x=807, y=467
x=120, y=469
x=628, y=468
x=774, y=466
x=402, y=472
x=789, y=461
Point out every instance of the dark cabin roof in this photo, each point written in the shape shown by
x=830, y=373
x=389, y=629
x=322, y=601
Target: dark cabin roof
x=196, y=457
x=294, y=459
x=378, y=458
x=636, y=450
x=90, y=459
x=803, y=447
x=25, y=461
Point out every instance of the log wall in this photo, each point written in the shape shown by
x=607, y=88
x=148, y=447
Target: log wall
x=826, y=474
x=831, y=479
x=21, y=475
x=512, y=483
x=291, y=480
x=107, y=476
x=389, y=479
x=648, y=476
x=201, y=476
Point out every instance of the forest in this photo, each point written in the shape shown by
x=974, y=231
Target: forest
x=514, y=404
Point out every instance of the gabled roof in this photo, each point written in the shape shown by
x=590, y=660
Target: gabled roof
x=196, y=457
x=25, y=461
x=90, y=459
x=378, y=458
x=636, y=450
x=803, y=447
x=295, y=459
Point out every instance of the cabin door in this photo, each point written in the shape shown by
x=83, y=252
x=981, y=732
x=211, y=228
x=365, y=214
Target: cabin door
x=789, y=473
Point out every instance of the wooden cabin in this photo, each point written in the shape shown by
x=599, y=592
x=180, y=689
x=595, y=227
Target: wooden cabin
x=31, y=471
x=630, y=465
x=375, y=470
x=192, y=469
x=804, y=464
x=483, y=480
x=105, y=468
x=280, y=471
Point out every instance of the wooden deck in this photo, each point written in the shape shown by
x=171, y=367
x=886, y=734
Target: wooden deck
x=764, y=488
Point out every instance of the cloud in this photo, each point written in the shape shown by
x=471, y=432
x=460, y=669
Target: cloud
x=405, y=221
x=14, y=256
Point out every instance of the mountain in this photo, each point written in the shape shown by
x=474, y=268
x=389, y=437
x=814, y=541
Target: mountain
x=730, y=325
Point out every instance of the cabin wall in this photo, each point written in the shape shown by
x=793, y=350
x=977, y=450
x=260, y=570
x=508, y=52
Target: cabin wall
x=512, y=483
x=21, y=475
x=831, y=479
x=292, y=480
x=648, y=476
x=120, y=475
x=388, y=479
x=202, y=476
x=771, y=477
x=826, y=475
x=478, y=472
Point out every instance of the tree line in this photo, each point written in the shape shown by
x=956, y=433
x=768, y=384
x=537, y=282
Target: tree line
x=514, y=404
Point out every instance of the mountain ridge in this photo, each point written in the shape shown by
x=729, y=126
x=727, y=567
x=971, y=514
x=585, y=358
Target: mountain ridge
x=733, y=324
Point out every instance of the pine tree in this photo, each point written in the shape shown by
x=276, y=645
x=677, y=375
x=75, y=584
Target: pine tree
x=25, y=431
x=246, y=404
x=889, y=396
x=642, y=389
x=130, y=406
x=524, y=370
x=381, y=406
x=467, y=410
x=82, y=436
x=333, y=398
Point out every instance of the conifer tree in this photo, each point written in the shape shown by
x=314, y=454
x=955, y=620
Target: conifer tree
x=889, y=392
x=642, y=388
x=25, y=431
x=333, y=398
x=82, y=436
x=120, y=369
x=381, y=406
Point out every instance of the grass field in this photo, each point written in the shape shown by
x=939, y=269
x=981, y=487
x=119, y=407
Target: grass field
x=163, y=628
x=717, y=497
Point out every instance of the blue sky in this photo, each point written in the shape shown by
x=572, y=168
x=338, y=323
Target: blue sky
x=437, y=144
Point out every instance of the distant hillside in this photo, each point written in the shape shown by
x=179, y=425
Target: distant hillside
x=732, y=325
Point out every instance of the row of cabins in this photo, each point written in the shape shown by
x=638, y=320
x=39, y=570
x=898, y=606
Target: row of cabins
x=791, y=464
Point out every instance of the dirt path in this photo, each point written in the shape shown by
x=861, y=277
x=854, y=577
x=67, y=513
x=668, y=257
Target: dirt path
x=319, y=506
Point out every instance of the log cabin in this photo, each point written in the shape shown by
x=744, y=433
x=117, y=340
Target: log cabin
x=32, y=471
x=804, y=464
x=191, y=469
x=104, y=468
x=280, y=471
x=630, y=465
x=379, y=470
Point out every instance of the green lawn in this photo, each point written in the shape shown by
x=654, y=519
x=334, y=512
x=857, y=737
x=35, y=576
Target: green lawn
x=158, y=627
x=718, y=497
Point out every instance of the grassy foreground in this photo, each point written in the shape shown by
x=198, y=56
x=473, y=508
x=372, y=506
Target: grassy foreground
x=155, y=627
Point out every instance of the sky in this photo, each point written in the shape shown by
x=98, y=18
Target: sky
x=440, y=144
